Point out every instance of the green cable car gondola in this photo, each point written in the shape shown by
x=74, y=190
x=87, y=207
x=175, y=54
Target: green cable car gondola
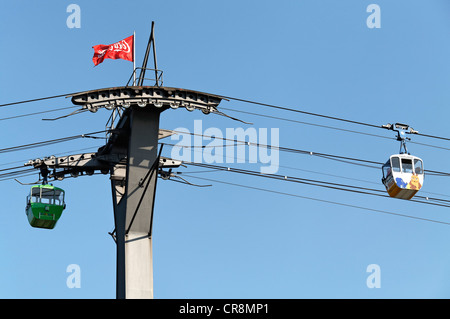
x=45, y=205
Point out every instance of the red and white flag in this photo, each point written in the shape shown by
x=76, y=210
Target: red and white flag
x=119, y=50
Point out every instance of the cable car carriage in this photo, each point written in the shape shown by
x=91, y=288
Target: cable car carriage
x=45, y=205
x=403, y=174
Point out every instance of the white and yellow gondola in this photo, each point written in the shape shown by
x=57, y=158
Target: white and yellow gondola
x=403, y=175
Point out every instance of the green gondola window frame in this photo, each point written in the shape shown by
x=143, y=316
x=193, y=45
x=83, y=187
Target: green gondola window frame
x=46, y=195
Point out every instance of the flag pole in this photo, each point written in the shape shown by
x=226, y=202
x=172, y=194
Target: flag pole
x=144, y=63
x=154, y=55
x=134, y=58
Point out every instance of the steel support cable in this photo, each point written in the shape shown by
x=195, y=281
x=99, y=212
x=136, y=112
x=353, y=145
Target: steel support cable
x=25, y=160
x=330, y=127
x=304, y=170
x=36, y=113
x=50, y=142
x=321, y=115
x=300, y=111
x=320, y=200
x=245, y=101
x=17, y=176
x=433, y=136
x=284, y=166
x=302, y=122
x=332, y=175
x=279, y=176
x=10, y=168
x=250, y=102
x=280, y=148
x=346, y=159
x=336, y=186
x=305, y=180
x=41, y=98
x=17, y=172
x=36, y=144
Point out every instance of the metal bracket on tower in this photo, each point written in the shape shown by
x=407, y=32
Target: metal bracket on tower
x=87, y=164
x=158, y=97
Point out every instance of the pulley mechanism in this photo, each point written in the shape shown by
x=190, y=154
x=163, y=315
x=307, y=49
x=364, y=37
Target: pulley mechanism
x=401, y=130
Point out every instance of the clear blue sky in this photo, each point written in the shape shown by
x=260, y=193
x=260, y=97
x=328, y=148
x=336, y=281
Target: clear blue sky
x=224, y=241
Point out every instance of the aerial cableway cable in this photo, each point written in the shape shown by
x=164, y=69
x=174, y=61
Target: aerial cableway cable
x=330, y=185
x=300, y=111
x=17, y=173
x=36, y=113
x=91, y=148
x=295, y=168
x=250, y=102
x=318, y=200
x=323, y=115
x=329, y=127
x=345, y=159
x=50, y=142
x=40, y=99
